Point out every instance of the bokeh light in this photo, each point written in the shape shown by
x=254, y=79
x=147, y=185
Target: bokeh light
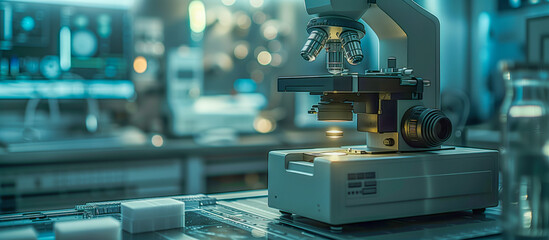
x=264, y=58
x=241, y=51
x=140, y=64
x=256, y=3
x=264, y=125
x=157, y=140
x=197, y=16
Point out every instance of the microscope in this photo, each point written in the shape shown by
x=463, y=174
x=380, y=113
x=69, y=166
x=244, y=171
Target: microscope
x=404, y=170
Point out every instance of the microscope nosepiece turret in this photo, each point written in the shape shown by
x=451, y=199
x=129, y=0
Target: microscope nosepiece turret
x=340, y=35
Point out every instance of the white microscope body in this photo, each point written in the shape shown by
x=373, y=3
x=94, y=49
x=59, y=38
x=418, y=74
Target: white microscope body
x=403, y=170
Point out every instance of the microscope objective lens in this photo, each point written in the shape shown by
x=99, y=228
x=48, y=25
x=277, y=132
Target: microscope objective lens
x=351, y=47
x=315, y=43
x=334, y=57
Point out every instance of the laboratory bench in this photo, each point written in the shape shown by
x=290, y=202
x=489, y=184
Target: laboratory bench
x=58, y=173
x=246, y=215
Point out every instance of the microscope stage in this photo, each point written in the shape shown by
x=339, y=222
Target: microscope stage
x=336, y=187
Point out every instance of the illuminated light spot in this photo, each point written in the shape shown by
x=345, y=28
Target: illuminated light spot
x=241, y=51
x=258, y=233
x=157, y=141
x=228, y=2
x=264, y=58
x=534, y=1
x=65, y=45
x=333, y=154
x=27, y=23
x=526, y=111
x=264, y=125
x=140, y=64
x=270, y=32
x=104, y=29
x=197, y=16
x=91, y=123
x=256, y=3
x=507, y=76
x=334, y=133
x=546, y=149
x=515, y=3
x=245, y=85
x=243, y=21
x=527, y=219
x=81, y=21
x=104, y=19
x=277, y=60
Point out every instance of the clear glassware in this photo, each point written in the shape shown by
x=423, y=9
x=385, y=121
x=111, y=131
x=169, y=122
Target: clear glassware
x=525, y=152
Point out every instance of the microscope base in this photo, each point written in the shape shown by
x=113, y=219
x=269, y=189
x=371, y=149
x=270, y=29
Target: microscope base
x=334, y=187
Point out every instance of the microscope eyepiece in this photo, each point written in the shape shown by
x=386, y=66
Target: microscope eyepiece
x=350, y=41
x=314, y=44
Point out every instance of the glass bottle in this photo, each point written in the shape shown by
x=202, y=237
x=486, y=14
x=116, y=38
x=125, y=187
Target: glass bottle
x=525, y=152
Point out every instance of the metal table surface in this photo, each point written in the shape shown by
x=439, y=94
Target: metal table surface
x=245, y=215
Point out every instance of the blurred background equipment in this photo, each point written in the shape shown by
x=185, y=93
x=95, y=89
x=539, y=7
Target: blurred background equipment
x=54, y=50
x=132, y=99
x=525, y=147
x=398, y=108
x=106, y=100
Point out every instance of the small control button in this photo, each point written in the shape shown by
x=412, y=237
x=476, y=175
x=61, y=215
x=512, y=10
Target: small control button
x=351, y=176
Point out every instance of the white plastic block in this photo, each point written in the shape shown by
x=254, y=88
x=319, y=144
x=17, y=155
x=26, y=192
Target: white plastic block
x=152, y=215
x=24, y=233
x=106, y=228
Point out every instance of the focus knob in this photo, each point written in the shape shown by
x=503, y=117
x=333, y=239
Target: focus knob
x=425, y=127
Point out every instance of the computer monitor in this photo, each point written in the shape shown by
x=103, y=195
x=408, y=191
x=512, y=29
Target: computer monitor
x=65, y=49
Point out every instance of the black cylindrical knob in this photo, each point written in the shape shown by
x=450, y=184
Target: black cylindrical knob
x=425, y=127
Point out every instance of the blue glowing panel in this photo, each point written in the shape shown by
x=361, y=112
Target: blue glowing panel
x=245, y=85
x=66, y=89
x=515, y=3
x=27, y=23
x=64, y=49
x=504, y=5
